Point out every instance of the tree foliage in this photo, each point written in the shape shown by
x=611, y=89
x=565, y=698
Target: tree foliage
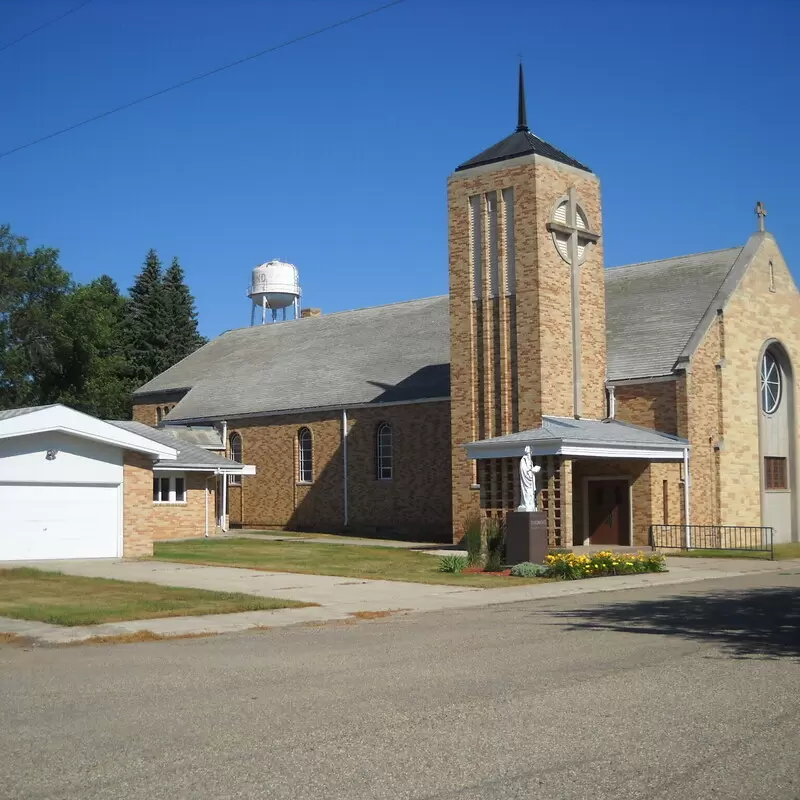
x=86, y=346
x=33, y=288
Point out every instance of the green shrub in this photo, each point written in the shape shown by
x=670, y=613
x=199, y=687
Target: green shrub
x=453, y=563
x=473, y=539
x=526, y=569
x=495, y=544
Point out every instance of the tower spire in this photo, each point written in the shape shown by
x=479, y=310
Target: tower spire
x=522, y=114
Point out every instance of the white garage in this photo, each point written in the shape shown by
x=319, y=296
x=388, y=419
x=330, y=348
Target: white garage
x=61, y=483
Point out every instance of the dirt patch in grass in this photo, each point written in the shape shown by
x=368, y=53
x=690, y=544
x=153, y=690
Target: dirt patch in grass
x=377, y=614
x=139, y=636
x=348, y=561
x=72, y=600
x=12, y=639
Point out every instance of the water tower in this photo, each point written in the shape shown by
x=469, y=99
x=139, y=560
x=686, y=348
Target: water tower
x=274, y=285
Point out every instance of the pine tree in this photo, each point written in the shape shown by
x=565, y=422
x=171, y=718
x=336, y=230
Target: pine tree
x=148, y=327
x=184, y=337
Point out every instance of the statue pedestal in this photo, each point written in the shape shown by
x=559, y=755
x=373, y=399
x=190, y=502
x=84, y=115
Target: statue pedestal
x=526, y=537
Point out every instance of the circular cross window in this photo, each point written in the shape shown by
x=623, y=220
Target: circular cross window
x=770, y=383
x=566, y=226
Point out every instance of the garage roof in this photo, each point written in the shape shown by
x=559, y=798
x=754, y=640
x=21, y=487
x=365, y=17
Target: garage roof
x=43, y=419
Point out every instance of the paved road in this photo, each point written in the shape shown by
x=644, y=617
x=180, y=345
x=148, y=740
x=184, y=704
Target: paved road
x=673, y=692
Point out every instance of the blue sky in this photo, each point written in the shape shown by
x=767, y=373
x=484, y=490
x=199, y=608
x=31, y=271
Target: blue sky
x=334, y=153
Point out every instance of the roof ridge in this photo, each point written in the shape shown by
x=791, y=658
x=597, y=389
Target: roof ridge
x=674, y=258
x=343, y=311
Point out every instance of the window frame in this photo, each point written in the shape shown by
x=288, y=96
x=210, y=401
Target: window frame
x=384, y=462
x=764, y=382
x=776, y=474
x=172, y=482
x=235, y=480
x=305, y=456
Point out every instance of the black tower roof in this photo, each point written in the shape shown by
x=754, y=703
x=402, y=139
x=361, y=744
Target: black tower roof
x=521, y=143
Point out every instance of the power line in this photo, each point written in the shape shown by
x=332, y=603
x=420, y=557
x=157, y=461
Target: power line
x=45, y=25
x=203, y=75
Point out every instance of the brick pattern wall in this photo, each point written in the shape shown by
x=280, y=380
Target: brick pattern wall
x=651, y=405
x=137, y=505
x=753, y=316
x=144, y=521
x=145, y=408
x=415, y=502
x=523, y=336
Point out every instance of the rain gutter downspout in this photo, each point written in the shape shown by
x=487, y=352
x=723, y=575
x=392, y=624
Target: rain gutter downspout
x=344, y=463
x=686, y=484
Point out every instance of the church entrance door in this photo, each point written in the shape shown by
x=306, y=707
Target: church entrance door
x=608, y=512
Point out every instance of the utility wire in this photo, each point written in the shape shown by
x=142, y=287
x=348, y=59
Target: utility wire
x=45, y=25
x=203, y=75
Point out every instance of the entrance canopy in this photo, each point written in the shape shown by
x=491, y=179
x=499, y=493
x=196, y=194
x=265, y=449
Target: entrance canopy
x=584, y=438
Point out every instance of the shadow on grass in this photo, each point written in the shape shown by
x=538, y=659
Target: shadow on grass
x=756, y=623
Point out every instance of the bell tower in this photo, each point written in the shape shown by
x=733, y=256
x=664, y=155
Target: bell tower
x=527, y=294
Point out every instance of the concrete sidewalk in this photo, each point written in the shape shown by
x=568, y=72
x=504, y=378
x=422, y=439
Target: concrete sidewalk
x=338, y=598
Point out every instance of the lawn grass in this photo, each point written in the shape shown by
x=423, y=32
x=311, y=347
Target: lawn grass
x=350, y=561
x=782, y=552
x=71, y=600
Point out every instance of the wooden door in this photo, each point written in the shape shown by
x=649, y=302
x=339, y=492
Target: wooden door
x=609, y=512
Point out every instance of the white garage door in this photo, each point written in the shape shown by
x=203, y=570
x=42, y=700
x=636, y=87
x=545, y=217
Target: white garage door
x=58, y=521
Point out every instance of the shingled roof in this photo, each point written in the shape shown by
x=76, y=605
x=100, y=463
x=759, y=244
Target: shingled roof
x=656, y=314
x=384, y=354
x=653, y=308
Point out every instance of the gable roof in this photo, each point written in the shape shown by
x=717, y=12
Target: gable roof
x=520, y=143
x=10, y=413
x=62, y=419
x=654, y=308
x=385, y=354
x=189, y=455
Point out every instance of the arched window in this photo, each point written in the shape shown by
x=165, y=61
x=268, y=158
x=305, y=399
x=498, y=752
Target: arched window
x=235, y=444
x=159, y=414
x=383, y=451
x=305, y=456
x=771, y=383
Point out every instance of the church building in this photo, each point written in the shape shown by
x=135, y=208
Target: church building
x=653, y=393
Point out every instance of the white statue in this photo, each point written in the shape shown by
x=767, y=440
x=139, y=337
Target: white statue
x=527, y=482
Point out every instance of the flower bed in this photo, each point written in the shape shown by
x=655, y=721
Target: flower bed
x=569, y=566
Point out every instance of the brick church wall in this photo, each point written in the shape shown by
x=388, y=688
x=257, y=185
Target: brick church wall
x=753, y=316
x=528, y=330
x=145, y=408
x=414, y=503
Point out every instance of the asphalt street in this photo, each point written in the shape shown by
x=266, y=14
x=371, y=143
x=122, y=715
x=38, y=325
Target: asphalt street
x=690, y=691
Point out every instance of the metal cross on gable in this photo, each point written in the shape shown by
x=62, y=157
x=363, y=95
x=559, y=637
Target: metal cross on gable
x=576, y=233
x=761, y=212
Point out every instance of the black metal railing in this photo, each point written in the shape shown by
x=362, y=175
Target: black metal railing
x=744, y=538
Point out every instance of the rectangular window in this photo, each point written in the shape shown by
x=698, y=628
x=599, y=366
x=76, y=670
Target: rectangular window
x=476, y=244
x=494, y=266
x=665, y=498
x=775, y=477
x=169, y=490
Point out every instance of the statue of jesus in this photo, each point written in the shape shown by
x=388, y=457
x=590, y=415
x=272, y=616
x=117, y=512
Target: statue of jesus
x=527, y=482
